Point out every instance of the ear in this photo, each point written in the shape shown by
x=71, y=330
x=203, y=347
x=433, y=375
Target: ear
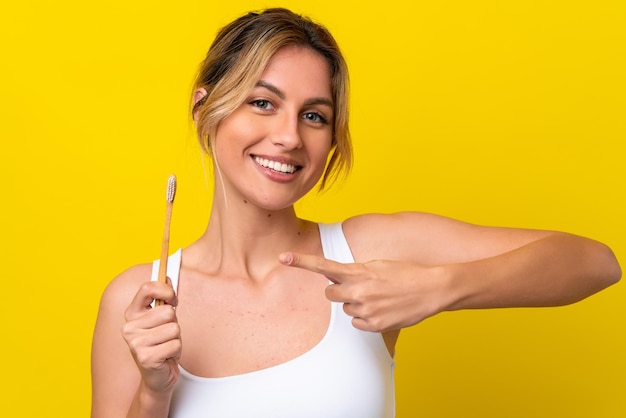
x=199, y=96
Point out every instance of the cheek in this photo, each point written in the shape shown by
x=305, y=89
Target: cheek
x=234, y=131
x=320, y=150
x=323, y=145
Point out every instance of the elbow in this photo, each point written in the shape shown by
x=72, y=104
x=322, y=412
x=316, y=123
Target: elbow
x=616, y=274
x=610, y=272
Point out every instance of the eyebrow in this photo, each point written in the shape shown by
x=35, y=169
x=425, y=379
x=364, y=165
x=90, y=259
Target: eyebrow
x=281, y=94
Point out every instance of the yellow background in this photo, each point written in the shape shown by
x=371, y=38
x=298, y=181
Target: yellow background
x=503, y=113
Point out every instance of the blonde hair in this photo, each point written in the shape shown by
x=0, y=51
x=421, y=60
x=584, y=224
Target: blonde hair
x=239, y=55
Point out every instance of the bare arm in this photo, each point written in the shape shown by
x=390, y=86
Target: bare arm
x=490, y=266
x=411, y=266
x=135, y=348
x=555, y=270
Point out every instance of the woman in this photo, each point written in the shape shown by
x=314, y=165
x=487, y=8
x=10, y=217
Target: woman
x=270, y=315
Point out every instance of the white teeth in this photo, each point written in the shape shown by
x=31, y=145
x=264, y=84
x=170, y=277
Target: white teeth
x=275, y=165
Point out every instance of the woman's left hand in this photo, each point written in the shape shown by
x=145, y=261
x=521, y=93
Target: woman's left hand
x=380, y=295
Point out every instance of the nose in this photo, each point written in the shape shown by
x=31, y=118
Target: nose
x=286, y=132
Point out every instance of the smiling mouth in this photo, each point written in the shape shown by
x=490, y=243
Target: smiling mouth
x=277, y=166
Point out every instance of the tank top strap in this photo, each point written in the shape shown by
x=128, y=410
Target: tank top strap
x=334, y=243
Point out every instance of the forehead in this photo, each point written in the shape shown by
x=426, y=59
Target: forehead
x=299, y=71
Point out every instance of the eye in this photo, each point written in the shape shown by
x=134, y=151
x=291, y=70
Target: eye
x=315, y=118
x=262, y=104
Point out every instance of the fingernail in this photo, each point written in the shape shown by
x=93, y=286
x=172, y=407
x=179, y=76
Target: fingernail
x=285, y=258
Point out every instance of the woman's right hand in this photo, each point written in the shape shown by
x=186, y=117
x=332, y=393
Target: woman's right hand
x=153, y=336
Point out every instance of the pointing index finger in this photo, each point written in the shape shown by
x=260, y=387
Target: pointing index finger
x=333, y=270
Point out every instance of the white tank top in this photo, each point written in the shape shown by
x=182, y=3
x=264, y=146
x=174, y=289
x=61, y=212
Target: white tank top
x=349, y=373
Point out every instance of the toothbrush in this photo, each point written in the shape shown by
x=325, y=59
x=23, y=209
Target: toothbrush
x=169, y=197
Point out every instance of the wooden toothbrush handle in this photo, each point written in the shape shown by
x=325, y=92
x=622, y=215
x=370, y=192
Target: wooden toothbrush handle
x=162, y=277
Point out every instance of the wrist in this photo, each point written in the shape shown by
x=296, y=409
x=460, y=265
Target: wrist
x=151, y=403
x=458, y=289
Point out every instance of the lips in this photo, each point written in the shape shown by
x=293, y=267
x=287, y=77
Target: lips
x=277, y=166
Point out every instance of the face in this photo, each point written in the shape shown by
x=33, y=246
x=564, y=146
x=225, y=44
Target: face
x=273, y=149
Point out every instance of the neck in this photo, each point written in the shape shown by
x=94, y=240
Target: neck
x=243, y=240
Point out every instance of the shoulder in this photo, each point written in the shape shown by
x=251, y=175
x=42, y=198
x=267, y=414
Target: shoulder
x=380, y=222
x=429, y=239
x=392, y=236
x=120, y=291
x=395, y=225
x=115, y=299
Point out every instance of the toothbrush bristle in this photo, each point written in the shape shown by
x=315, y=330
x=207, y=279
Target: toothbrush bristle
x=171, y=188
